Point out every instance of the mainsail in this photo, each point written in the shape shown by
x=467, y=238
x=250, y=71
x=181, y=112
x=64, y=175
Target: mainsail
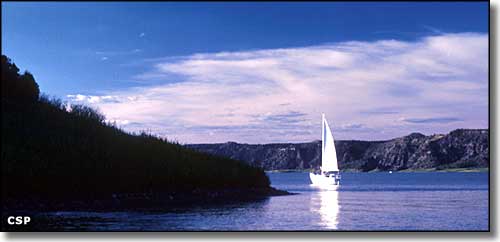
x=328, y=153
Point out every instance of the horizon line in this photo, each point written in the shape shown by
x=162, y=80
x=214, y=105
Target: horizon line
x=305, y=142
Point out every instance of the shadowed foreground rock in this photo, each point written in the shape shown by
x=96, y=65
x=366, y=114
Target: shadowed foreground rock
x=146, y=201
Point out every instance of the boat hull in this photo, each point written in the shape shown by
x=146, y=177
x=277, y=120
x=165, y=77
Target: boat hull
x=330, y=182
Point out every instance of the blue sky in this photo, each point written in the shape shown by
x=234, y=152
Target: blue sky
x=256, y=67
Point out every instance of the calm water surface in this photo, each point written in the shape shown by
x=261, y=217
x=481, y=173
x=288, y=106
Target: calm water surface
x=365, y=201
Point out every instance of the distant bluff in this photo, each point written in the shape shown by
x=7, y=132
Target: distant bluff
x=461, y=148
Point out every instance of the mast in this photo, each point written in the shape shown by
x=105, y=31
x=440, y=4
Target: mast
x=322, y=137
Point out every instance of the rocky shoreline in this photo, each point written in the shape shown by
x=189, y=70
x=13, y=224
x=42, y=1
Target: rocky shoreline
x=138, y=201
x=129, y=202
x=484, y=169
x=461, y=148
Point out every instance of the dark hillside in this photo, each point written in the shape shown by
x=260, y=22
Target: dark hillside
x=55, y=153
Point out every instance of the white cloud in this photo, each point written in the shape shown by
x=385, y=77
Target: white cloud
x=366, y=89
x=117, y=122
x=80, y=98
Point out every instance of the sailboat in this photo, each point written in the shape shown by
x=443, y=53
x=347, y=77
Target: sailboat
x=328, y=175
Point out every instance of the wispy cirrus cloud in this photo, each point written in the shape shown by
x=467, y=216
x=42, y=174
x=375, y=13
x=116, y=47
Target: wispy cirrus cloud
x=368, y=90
x=114, y=53
x=434, y=30
x=105, y=55
x=284, y=118
x=431, y=120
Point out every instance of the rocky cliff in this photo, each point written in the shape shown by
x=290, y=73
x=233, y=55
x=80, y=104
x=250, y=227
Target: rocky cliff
x=461, y=148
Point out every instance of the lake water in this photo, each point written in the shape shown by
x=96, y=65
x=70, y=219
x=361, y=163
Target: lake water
x=365, y=201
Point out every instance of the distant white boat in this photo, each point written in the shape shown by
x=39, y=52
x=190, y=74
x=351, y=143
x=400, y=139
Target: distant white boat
x=329, y=174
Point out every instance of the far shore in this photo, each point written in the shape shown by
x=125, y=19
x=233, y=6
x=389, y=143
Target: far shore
x=385, y=171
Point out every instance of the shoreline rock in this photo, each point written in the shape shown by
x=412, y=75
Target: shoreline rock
x=461, y=148
x=143, y=201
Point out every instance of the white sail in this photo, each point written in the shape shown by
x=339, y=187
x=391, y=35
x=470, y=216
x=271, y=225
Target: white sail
x=328, y=153
x=329, y=177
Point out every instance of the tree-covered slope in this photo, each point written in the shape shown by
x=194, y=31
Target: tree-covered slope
x=52, y=151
